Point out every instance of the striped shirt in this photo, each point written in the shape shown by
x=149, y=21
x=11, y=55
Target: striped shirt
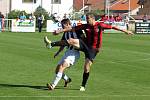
x=68, y=35
x=94, y=33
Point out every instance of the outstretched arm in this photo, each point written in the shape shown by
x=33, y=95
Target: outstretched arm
x=80, y=27
x=125, y=31
x=106, y=26
x=56, y=32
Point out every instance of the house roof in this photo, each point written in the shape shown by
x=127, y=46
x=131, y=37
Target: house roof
x=124, y=5
x=78, y=4
x=100, y=4
x=96, y=4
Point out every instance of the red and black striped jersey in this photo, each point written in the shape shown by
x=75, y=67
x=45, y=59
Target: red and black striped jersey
x=93, y=33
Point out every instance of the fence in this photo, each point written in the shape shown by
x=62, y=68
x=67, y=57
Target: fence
x=6, y=24
x=15, y=25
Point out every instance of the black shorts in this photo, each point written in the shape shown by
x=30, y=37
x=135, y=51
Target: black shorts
x=89, y=52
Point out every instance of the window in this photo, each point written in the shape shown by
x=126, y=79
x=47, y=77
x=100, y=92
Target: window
x=56, y=1
x=125, y=1
x=29, y=1
x=112, y=1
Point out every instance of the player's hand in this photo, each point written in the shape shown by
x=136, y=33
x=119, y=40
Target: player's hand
x=56, y=54
x=130, y=33
x=56, y=32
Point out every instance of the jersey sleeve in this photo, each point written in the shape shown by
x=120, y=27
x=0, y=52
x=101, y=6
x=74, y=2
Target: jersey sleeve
x=105, y=26
x=63, y=36
x=80, y=27
x=79, y=33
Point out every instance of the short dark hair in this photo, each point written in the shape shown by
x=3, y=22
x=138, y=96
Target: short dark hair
x=65, y=21
x=91, y=15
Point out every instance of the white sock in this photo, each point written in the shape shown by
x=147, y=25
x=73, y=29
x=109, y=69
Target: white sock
x=49, y=46
x=65, y=77
x=57, y=79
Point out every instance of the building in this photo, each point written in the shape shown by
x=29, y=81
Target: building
x=121, y=6
x=67, y=6
x=51, y=6
x=145, y=9
x=5, y=6
x=125, y=6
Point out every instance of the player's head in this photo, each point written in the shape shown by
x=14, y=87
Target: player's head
x=66, y=23
x=90, y=18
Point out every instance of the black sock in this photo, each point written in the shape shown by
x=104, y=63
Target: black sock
x=85, y=78
x=60, y=43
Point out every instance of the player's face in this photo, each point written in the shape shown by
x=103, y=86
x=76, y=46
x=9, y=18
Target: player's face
x=67, y=25
x=89, y=20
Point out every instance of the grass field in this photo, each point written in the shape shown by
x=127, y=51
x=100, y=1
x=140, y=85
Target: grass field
x=120, y=72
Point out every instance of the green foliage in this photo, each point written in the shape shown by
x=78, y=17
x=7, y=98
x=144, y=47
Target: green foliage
x=39, y=10
x=77, y=16
x=98, y=12
x=15, y=14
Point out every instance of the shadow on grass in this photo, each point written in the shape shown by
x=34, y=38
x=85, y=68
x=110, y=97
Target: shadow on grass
x=35, y=87
x=28, y=86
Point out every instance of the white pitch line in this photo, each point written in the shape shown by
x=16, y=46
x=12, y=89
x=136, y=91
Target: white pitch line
x=125, y=63
x=136, y=60
x=30, y=48
x=122, y=62
x=75, y=96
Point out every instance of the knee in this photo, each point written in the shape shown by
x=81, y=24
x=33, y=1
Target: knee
x=87, y=66
x=86, y=69
x=66, y=64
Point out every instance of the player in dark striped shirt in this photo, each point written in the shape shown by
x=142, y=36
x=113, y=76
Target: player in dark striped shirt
x=69, y=58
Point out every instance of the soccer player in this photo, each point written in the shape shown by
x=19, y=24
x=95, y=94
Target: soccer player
x=70, y=57
x=93, y=31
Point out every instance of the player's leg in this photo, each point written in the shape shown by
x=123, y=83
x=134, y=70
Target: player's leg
x=90, y=55
x=77, y=43
x=66, y=79
x=68, y=59
x=74, y=42
x=85, y=76
x=64, y=76
x=59, y=75
x=71, y=58
x=56, y=79
x=50, y=44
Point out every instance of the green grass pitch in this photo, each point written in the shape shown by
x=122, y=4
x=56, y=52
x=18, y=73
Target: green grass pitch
x=120, y=72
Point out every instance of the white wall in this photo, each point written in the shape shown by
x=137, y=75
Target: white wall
x=4, y=7
x=134, y=12
x=28, y=7
x=62, y=8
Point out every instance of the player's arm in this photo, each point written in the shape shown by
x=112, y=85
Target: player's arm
x=107, y=26
x=80, y=27
x=125, y=31
x=56, y=32
x=60, y=50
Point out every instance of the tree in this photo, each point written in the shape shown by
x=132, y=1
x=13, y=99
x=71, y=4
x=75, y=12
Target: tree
x=39, y=10
x=15, y=14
